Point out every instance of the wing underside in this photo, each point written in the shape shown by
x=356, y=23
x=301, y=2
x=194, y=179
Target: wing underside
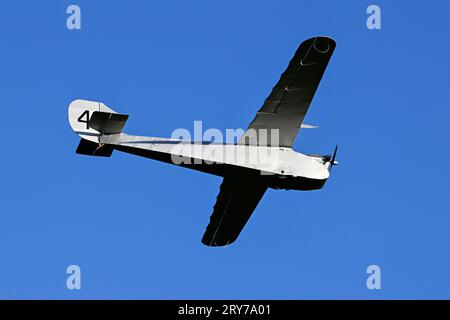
x=235, y=203
x=286, y=106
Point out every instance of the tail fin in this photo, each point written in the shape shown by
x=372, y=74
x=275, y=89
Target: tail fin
x=91, y=120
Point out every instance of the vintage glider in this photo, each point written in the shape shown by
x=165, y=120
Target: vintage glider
x=244, y=180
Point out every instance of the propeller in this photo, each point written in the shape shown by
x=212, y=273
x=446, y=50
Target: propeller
x=333, y=159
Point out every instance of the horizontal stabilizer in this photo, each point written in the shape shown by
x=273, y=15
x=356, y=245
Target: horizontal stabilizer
x=107, y=122
x=90, y=148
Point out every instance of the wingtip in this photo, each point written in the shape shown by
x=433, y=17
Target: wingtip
x=325, y=39
x=215, y=243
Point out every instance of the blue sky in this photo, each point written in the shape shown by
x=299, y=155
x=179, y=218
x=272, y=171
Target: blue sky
x=134, y=225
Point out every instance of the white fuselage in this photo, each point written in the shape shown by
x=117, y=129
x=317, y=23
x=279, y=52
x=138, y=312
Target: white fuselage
x=282, y=167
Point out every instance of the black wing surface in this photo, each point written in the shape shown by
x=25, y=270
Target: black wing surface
x=286, y=106
x=235, y=203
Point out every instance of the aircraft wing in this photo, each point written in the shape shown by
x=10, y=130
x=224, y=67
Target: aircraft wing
x=287, y=104
x=235, y=203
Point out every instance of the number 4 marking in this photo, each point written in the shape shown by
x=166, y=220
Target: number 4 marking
x=80, y=118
